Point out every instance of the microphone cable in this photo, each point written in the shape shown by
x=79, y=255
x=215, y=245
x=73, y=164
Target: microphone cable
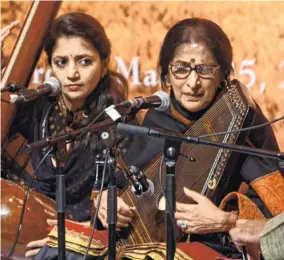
x=245, y=129
x=166, y=198
x=97, y=207
x=24, y=206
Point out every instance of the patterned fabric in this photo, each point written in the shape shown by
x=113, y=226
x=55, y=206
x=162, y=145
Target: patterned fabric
x=272, y=240
x=156, y=251
x=247, y=209
x=77, y=238
x=270, y=188
x=51, y=253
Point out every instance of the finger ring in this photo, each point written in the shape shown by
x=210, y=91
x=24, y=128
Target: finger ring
x=181, y=224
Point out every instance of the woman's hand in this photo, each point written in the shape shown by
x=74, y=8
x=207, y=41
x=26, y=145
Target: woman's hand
x=34, y=246
x=124, y=213
x=247, y=233
x=203, y=217
x=7, y=30
x=3, y=35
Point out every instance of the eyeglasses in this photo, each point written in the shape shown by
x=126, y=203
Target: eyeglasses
x=181, y=71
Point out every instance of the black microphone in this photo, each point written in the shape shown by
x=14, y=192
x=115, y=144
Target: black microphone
x=50, y=87
x=160, y=101
x=144, y=187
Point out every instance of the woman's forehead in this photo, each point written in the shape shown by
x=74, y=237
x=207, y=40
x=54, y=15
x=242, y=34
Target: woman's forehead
x=197, y=51
x=74, y=44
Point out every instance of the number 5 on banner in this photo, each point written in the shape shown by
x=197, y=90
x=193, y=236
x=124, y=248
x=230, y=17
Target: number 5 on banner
x=248, y=71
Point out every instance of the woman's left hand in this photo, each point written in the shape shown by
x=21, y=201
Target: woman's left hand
x=203, y=217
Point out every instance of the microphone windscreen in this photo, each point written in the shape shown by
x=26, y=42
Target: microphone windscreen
x=54, y=84
x=165, y=100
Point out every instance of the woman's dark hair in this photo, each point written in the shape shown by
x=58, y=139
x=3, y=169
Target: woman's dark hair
x=197, y=30
x=109, y=89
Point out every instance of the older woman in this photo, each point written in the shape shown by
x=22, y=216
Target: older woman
x=195, y=65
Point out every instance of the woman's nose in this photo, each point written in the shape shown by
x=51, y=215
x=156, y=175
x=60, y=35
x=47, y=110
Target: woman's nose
x=193, y=80
x=73, y=73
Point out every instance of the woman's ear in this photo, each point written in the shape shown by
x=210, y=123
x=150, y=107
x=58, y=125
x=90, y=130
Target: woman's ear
x=222, y=76
x=166, y=84
x=105, y=63
x=168, y=81
x=104, y=72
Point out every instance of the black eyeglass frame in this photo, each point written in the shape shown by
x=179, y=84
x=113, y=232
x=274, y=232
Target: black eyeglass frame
x=195, y=69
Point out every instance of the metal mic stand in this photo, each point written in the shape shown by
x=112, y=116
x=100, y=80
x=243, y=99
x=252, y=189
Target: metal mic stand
x=171, y=153
x=112, y=215
x=112, y=196
x=60, y=150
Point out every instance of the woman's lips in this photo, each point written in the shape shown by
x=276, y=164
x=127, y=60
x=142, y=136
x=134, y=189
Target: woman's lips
x=73, y=87
x=193, y=97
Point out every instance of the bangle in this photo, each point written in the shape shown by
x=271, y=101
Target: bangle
x=235, y=214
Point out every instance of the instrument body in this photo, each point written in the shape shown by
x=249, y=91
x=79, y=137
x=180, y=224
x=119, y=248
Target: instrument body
x=208, y=172
x=38, y=209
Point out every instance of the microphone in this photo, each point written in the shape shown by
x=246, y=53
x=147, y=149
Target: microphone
x=50, y=87
x=160, y=101
x=143, y=187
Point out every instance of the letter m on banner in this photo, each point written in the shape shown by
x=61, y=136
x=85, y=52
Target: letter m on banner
x=133, y=69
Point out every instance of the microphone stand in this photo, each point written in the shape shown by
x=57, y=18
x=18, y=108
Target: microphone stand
x=109, y=153
x=171, y=153
x=109, y=158
x=53, y=140
x=59, y=144
x=60, y=149
x=112, y=210
x=138, y=130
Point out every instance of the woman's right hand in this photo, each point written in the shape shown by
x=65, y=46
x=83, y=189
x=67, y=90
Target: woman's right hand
x=125, y=213
x=7, y=30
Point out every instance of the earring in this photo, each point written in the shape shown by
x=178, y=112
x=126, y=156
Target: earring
x=104, y=74
x=226, y=83
x=166, y=85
